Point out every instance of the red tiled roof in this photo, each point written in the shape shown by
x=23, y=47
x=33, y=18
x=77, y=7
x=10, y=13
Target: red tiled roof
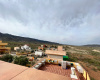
x=33, y=74
x=9, y=70
x=56, y=69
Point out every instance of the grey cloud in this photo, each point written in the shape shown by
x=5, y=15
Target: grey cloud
x=51, y=17
x=49, y=11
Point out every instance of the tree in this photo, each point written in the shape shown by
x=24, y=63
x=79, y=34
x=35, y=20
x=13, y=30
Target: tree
x=7, y=58
x=22, y=60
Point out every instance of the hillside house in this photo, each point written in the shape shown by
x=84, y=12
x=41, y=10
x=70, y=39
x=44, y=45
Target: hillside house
x=16, y=48
x=42, y=47
x=3, y=48
x=25, y=47
x=56, y=54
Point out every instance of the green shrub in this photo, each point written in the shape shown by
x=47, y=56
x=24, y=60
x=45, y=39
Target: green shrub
x=0, y=58
x=22, y=60
x=98, y=68
x=92, y=62
x=73, y=59
x=33, y=63
x=7, y=58
x=95, y=53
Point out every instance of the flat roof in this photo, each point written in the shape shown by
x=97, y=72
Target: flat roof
x=55, y=52
x=9, y=71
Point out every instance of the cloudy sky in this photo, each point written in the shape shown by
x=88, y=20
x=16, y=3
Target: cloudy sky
x=75, y=22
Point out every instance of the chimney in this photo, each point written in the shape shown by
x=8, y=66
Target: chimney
x=60, y=48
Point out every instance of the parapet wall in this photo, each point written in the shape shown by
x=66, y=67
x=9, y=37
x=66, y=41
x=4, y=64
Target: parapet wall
x=85, y=73
x=54, y=52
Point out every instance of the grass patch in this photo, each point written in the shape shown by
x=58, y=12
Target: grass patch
x=98, y=68
x=91, y=61
x=95, y=53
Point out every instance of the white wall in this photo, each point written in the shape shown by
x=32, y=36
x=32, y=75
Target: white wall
x=25, y=47
x=38, y=53
x=15, y=48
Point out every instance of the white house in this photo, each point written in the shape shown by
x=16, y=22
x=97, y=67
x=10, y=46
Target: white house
x=26, y=47
x=39, y=53
x=16, y=48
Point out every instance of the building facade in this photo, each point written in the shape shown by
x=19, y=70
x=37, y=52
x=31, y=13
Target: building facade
x=56, y=54
x=3, y=48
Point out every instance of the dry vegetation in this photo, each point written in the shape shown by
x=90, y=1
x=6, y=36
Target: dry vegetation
x=88, y=58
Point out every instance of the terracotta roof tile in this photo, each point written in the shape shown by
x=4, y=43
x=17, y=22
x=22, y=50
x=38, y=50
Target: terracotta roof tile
x=9, y=70
x=33, y=74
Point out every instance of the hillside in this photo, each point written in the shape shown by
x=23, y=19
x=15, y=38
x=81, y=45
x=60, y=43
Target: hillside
x=88, y=57
x=9, y=37
x=14, y=41
x=93, y=45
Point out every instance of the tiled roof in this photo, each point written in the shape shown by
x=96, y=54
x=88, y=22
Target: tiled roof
x=56, y=69
x=33, y=74
x=9, y=71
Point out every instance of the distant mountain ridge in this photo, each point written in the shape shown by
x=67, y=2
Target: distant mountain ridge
x=93, y=45
x=9, y=37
